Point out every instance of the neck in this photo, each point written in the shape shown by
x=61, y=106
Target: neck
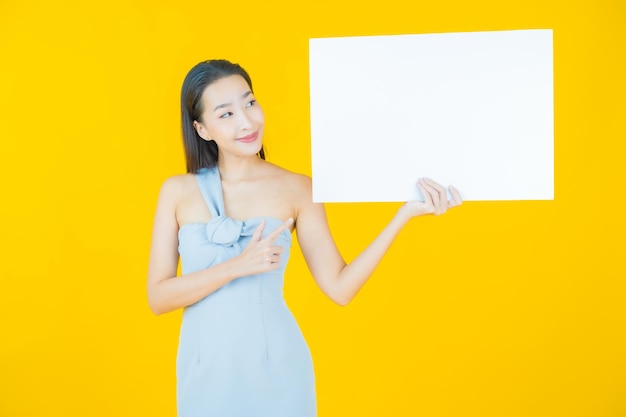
x=235, y=168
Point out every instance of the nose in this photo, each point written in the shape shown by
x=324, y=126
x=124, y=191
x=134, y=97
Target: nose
x=245, y=122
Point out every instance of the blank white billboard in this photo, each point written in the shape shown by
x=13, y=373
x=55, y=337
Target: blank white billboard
x=474, y=110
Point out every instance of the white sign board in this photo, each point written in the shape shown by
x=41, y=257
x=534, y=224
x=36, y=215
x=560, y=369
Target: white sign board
x=474, y=110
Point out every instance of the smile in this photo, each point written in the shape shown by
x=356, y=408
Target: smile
x=250, y=138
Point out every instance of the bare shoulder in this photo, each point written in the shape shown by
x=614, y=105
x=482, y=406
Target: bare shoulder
x=293, y=182
x=175, y=187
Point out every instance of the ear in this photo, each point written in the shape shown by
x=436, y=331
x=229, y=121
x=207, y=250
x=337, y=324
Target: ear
x=202, y=132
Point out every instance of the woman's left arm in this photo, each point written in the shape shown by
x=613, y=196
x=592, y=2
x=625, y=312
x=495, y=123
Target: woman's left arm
x=338, y=280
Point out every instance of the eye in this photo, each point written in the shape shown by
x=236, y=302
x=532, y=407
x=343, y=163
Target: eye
x=251, y=103
x=226, y=115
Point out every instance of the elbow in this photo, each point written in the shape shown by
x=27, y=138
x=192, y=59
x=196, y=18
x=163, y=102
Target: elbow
x=340, y=295
x=342, y=300
x=156, y=307
x=156, y=311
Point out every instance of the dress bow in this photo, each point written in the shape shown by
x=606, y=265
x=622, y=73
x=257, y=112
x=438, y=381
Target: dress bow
x=224, y=230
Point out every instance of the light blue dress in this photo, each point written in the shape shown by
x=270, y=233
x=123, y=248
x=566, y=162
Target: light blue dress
x=241, y=352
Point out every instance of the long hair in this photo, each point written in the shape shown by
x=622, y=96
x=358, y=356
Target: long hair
x=200, y=153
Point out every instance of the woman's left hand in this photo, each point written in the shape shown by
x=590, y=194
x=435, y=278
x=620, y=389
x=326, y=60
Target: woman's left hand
x=435, y=199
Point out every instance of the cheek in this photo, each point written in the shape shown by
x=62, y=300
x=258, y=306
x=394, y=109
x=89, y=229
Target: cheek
x=258, y=115
x=217, y=131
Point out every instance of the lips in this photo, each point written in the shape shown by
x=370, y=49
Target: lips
x=250, y=138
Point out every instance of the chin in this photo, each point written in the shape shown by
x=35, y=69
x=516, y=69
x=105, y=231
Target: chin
x=252, y=149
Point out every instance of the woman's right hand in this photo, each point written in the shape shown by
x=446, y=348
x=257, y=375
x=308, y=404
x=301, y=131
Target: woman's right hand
x=261, y=255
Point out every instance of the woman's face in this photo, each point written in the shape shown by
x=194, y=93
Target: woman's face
x=231, y=117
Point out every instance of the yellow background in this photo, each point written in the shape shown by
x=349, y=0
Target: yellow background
x=497, y=309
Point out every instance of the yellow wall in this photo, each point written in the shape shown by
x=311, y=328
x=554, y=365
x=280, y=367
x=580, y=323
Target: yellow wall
x=497, y=309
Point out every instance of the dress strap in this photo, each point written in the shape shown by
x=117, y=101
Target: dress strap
x=211, y=187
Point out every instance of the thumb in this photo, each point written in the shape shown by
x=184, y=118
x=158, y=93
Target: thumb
x=258, y=232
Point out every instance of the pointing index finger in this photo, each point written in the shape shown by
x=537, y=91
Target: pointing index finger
x=276, y=232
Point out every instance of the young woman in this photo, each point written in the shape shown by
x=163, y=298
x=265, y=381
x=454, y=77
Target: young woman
x=241, y=353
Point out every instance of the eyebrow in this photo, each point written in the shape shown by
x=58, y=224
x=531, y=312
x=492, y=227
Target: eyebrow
x=221, y=106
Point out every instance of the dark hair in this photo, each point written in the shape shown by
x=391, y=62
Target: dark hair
x=200, y=153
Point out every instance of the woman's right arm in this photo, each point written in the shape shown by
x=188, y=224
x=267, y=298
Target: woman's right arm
x=166, y=291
